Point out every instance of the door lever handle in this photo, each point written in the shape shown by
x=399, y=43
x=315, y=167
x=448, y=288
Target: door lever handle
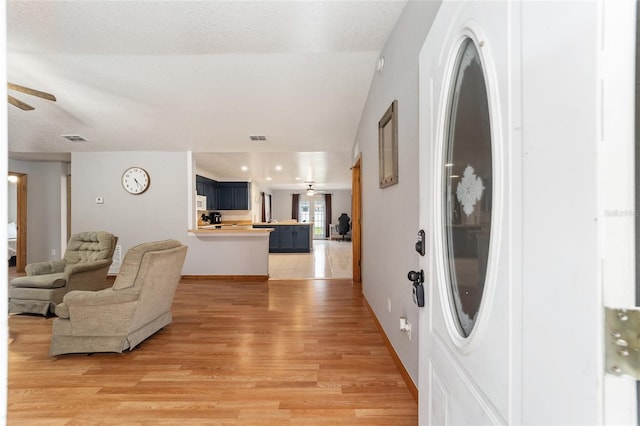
x=417, y=277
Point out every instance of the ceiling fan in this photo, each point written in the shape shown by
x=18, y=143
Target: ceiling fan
x=310, y=191
x=22, y=105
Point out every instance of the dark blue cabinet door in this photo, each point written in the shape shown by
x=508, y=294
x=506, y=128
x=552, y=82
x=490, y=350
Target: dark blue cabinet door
x=225, y=197
x=274, y=241
x=287, y=234
x=200, y=190
x=210, y=192
x=233, y=195
x=301, y=238
x=241, y=197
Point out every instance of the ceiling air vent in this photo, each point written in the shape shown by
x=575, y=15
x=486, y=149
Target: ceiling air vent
x=74, y=138
x=257, y=138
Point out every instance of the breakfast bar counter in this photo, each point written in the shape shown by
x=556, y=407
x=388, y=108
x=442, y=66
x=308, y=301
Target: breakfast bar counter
x=229, y=230
x=229, y=251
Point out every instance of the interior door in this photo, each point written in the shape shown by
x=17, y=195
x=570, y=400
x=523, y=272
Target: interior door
x=518, y=99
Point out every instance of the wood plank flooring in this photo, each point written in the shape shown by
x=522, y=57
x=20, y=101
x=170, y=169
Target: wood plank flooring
x=303, y=352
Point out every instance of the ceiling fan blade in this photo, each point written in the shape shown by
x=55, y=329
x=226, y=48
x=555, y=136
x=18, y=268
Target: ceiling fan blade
x=15, y=102
x=32, y=92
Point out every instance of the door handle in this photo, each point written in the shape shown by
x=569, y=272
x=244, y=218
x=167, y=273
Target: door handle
x=417, y=277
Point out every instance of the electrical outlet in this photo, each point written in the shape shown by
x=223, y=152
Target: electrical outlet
x=405, y=327
x=389, y=304
x=53, y=252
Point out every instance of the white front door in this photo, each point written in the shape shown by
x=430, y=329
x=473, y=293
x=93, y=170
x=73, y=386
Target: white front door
x=519, y=116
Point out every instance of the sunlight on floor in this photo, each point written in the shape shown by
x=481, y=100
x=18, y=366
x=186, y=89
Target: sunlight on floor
x=329, y=259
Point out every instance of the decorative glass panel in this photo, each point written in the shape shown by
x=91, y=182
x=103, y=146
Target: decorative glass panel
x=467, y=188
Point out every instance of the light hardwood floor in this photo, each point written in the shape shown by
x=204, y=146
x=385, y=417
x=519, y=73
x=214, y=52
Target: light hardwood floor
x=303, y=352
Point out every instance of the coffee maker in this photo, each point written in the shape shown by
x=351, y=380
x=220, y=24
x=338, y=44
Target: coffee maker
x=215, y=217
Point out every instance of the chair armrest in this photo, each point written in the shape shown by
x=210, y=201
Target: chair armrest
x=98, y=313
x=86, y=266
x=43, y=268
x=108, y=296
x=47, y=281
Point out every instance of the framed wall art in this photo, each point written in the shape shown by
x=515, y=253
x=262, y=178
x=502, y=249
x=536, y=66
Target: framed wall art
x=388, y=146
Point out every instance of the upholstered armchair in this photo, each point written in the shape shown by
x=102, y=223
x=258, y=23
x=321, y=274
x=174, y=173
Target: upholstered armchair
x=84, y=266
x=121, y=317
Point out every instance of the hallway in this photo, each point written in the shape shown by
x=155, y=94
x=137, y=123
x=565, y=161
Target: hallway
x=329, y=259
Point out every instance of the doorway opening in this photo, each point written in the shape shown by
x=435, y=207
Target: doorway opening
x=18, y=215
x=313, y=209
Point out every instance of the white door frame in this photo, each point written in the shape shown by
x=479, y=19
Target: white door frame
x=616, y=184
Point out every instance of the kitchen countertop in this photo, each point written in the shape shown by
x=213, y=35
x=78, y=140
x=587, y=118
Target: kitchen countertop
x=229, y=230
x=283, y=223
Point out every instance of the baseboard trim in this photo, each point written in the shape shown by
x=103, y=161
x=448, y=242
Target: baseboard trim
x=396, y=359
x=227, y=277
x=215, y=277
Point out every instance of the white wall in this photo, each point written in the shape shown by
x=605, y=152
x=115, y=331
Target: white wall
x=340, y=203
x=281, y=201
x=281, y=204
x=390, y=215
x=162, y=212
x=46, y=193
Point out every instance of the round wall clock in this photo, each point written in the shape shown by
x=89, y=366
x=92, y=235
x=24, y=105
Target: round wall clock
x=135, y=180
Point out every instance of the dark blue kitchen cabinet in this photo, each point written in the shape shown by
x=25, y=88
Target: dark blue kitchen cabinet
x=208, y=188
x=234, y=195
x=288, y=238
x=224, y=195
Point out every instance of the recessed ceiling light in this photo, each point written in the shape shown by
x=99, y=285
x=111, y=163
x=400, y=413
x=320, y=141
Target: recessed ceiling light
x=268, y=178
x=278, y=168
x=297, y=178
x=245, y=168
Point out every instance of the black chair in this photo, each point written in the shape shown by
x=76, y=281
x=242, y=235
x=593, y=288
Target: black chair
x=344, y=225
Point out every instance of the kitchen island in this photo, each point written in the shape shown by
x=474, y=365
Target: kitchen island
x=288, y=237
x=229, y=252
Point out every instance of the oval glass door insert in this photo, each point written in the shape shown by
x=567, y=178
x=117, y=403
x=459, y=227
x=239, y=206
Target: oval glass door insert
x=467, y=188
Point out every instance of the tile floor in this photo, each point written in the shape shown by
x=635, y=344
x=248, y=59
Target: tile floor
x=329, y=259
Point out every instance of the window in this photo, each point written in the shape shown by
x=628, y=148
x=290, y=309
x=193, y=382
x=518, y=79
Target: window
x=303, y=215
x=467, y=188
x=319, y=218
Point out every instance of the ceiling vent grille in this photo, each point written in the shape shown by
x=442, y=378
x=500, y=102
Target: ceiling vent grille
x=258, y=138
x=74, y=138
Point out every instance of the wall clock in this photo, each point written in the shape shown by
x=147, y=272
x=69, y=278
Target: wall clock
x=135, y=180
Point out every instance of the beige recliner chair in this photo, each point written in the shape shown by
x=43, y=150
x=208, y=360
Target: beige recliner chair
x=84, y=267
x=121, y=317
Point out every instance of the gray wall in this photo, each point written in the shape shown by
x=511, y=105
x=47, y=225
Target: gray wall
x=390, y=215
x=12, y=198
x=162, y=212
x=46, y=201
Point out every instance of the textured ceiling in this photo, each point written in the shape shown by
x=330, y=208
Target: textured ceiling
x=200, y=76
